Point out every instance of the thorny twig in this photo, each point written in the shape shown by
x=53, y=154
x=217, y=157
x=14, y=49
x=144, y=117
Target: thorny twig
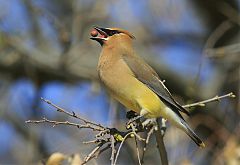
x=107, y=138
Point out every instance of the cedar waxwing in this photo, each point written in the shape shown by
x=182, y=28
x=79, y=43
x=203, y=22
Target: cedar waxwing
x=133, y=82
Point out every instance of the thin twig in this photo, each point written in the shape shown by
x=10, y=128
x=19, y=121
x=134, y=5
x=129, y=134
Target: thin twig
x=103, y=149
x=73, y=114
x=150, y=132
x=137, y=149
x=120, y=146
x=92, y=153
x=55, y=123
x=91, y=141
x=216, y=98
x=102, y=133
x=135, y=133
x=113, y=150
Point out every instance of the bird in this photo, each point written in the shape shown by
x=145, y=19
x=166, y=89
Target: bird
x=134, y=83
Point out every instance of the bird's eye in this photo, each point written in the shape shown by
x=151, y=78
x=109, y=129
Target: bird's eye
x=113, y=32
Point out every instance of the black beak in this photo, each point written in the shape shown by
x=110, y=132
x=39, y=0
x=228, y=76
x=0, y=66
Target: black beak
x=103, y=35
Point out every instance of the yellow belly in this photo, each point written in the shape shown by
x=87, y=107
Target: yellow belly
x=137, y=96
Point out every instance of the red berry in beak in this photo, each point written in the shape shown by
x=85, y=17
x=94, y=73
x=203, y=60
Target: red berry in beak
x=94, y=33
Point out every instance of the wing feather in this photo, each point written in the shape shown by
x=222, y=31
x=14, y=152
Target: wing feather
x=144, y=73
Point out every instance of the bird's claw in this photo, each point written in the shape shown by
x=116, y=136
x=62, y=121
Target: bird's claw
x=149, y=123
x=131, y=114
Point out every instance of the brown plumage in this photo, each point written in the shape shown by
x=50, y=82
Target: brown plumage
x=134, y=83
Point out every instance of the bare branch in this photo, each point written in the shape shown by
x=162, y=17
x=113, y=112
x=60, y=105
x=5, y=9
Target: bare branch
x=55, y=123
x=160, y=145
x=109, y=137
x=113, y=150
x=92, y=153
x=216, y=98
x=135, y=133
x=137, y=149
x=150, y=132
x=120, y=146
x=103, y=149
x=73, y=114
x=105, y=138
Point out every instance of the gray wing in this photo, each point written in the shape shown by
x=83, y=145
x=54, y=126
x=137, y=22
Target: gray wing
x=144, y=73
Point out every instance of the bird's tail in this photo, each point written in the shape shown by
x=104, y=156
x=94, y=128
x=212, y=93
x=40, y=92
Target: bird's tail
x=192, y=135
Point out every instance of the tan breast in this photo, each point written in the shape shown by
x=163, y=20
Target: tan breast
x=124, y=87
x=117, y=78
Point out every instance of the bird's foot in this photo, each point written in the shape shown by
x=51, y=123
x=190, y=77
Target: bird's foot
x=135, y=121
x=149, y=123
x=131, y=114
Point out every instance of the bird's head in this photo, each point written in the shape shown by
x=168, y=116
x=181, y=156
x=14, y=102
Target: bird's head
x=106, y=36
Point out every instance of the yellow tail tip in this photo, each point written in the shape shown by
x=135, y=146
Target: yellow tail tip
x=202, y=145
